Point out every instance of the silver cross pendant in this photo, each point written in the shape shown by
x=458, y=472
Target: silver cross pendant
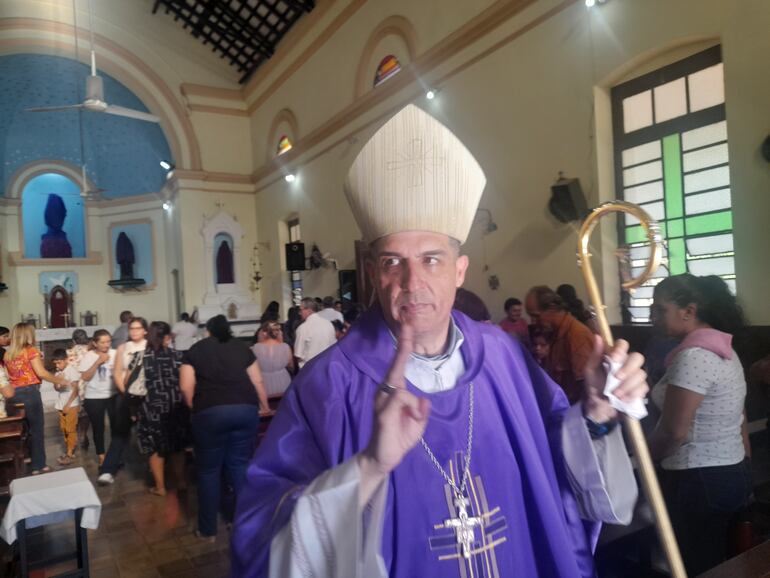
x=464, y=525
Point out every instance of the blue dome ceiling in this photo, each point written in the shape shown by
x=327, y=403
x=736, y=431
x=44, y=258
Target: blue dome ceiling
x=121, y=154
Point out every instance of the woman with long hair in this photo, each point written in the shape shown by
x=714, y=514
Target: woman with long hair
x=271, y=312
x=276, y=361
x=222, y=384
x=129, y=379
x=700, y=438
x=24, y=366
x=163, y=419
x=96, y=369
x=576, y=307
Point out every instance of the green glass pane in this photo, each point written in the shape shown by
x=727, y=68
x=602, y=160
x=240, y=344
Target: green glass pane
x=672, y=176
x=675, y=228
x=635, y=234
x=677, y=262
x=712, y=223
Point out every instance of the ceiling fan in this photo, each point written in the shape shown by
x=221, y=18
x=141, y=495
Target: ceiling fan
x=94, y=100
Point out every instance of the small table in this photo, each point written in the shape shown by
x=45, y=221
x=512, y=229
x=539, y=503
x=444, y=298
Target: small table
x=50, y=499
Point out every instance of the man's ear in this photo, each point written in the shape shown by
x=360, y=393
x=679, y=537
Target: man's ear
x=461, y=266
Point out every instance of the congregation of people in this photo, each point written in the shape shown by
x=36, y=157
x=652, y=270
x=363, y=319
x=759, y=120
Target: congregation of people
x=183, y=387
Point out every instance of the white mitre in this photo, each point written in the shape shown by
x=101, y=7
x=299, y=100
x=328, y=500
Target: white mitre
x=414, y=174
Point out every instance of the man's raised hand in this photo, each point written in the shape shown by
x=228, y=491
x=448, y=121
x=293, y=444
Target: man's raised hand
x=400, y=418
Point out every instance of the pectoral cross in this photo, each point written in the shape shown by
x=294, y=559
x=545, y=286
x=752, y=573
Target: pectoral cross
x=463, y=525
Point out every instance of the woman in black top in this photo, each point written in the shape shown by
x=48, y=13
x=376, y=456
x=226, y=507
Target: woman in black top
x=163, y=419
x=221, y=382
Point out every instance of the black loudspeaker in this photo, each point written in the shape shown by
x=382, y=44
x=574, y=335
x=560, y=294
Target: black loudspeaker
x=567, y=201
x=348, y=288
x=295, y=256
x=766, y=149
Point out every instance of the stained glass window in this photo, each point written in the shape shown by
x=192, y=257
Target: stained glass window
x=284, y=144
x=389, y=66
x=671, y=157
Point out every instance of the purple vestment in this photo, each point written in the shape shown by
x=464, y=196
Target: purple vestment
x=517, y=464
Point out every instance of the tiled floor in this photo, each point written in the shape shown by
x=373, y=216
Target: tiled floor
x=140, y=535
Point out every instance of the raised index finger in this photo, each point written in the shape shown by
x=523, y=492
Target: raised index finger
x=395, y=376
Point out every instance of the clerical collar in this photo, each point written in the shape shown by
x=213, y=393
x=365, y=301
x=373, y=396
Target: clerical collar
x=439, y=372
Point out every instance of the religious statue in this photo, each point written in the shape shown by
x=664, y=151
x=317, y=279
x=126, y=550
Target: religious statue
x=54, y=243
x=225, y=272
x=124, y=255
x=125, y=258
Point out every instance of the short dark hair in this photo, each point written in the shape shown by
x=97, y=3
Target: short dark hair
x=546, y=298
x=219, y=328
x=79, y=337
x=328, y=302
x=59, y=354
x=4, y=330
x=184, y=317
x=141, y=320
x=338, y=325
x=125, y=316
x=99, y=333
x=510, y=302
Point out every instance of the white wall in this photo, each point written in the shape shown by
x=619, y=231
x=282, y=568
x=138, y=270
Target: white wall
x=526, y=98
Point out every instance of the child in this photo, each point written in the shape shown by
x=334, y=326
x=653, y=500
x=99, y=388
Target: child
x=540, y=343
x=68, y=404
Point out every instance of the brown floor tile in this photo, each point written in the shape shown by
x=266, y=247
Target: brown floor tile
x=208, y=558
x=105, y=572
x=165, y=544
x=175, y=568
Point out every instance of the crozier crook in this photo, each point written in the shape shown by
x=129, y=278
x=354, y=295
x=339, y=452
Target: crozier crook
x=633, y=429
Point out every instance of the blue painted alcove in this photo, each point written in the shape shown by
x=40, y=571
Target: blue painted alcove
x=122, y=154
x=33, y=202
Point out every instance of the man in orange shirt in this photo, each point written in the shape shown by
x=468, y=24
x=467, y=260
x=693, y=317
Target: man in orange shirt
x=572, y=342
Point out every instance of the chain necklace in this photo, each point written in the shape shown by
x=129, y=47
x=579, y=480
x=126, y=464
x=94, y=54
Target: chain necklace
x=458, y=491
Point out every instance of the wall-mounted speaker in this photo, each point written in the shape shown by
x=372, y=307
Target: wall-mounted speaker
x=567, y=201
x=295, y=256
x=766, y=149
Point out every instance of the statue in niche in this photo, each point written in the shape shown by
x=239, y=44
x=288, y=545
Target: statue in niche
x=232, y=311
x=125, y=258
x=124, y=255
x=225, y=273
x=54, y=243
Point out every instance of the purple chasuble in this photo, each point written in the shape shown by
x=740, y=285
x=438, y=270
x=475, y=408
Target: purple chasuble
x=518, y=479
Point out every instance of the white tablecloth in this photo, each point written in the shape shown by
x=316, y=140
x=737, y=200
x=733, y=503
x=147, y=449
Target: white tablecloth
x=49, y=499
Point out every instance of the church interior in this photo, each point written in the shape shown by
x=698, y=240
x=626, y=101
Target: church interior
x=188, y=156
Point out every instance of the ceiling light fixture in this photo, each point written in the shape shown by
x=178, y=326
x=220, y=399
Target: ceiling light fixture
x=165, y=165
x=290, y=178
x=431, y=94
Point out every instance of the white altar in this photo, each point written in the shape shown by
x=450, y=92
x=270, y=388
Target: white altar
x=65, y=333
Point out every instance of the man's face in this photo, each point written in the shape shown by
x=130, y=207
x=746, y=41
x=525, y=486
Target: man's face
x=305, y=312
x=532, y=309
x=514, y=312
x=5, y=340
x=60, y=364
x=416, y=275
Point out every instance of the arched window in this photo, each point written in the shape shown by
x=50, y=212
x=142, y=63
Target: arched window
x=671, y=158
x=284, y=145
x=52, y=218
x=389, y=66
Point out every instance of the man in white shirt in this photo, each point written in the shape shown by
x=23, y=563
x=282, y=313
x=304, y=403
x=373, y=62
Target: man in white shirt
x=314, y=335
x=329, y=312
x=184, y=333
